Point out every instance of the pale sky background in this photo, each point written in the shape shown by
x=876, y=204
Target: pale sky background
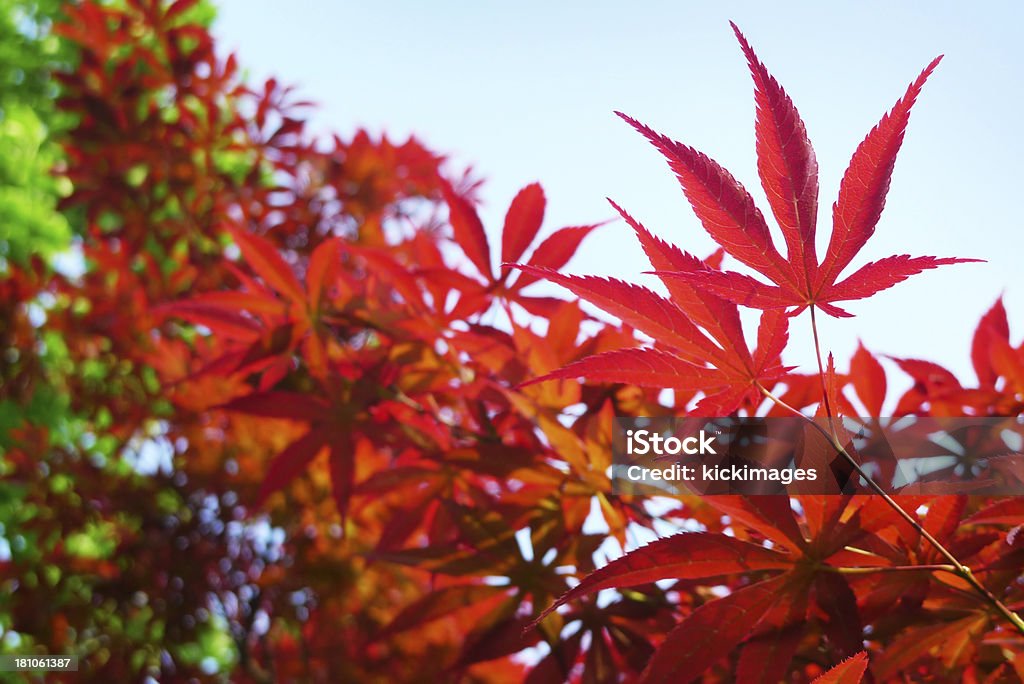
x=525, y=92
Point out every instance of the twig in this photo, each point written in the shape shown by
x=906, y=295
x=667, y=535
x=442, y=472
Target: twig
x=960, y=569
x=866, y=570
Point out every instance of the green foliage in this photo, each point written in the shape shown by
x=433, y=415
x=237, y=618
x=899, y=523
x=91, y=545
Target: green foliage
x=28, y=52
x=29, y=221
x=29, y=188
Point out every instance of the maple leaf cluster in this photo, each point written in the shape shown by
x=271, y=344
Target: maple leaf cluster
x=376, y=459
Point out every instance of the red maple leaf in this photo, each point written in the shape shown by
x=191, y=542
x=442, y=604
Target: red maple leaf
x=789, y=175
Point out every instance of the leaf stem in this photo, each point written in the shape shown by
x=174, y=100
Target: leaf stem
x=821, y=372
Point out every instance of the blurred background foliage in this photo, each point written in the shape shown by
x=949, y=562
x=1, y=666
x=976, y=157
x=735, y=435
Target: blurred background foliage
x=79, y=518
x=29, y=122
x=127, y=531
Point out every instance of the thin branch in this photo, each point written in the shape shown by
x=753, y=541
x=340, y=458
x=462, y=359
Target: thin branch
x=961, y=570
x=867, y=570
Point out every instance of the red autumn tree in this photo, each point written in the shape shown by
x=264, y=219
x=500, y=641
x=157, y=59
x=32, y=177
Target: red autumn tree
x=275, y=428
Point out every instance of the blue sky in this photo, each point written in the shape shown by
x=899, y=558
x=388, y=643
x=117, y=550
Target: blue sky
x=526, y=91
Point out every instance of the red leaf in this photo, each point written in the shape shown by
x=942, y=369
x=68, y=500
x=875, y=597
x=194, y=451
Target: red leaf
x=836, y=599
x=945, y=639
x=641, y=367
x=765, y=659
x=1008, y=362
x=831, y=399
x=931, y=378
x=722, y=402
x=881, y=275
x=545, y=307
x=229, y=324
x=711, y=632
x=341, y=465
x=468, y=230
x=681, y=556
x=736, y=287
x=522, y=222
x=290, y=405
x=440, y=603
x=290, y=462
x=267, y=263
x=866, y=183
x=992, y=326
x=723, y=206
x=383, y=262
x=325, y=257
x=868, y=377
x=555, y=251
x=715, y=314
x=850, y=671
x=821, y=512
x=1004, y=512
x=771, y=516
x=772, y=336
x=497, y=641
x=642, y=309
x=788, y=173
x=233, y=301
x=786, y=164
x=944, y=515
